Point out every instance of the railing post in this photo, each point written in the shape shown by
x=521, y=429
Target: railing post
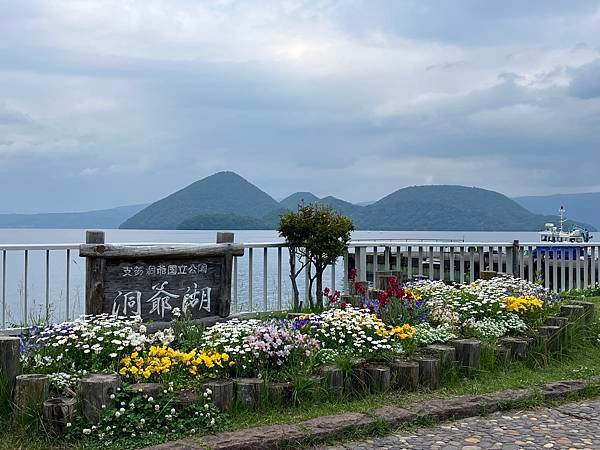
x=4, y=289
x=346, y=270
x=25, y=283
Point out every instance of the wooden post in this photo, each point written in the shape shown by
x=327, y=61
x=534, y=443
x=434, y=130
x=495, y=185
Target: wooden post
x=222, y=393
x=94, y=276
x=518, y=346
x=333, y=380
x=10, y=363
x=31, y=391
x=248, y=391
x=405, y=374
x=225, y=305
x=445, y=353
x=58, y=412
x=468, y=354
x=95, y=391
x=225, y=237
x=378, y=378
x=429, y=371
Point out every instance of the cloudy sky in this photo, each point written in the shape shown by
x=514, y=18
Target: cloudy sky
x=113, y=102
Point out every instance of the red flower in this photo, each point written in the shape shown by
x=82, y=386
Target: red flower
x=343, y=305
x=360, y=288
x=352, y=274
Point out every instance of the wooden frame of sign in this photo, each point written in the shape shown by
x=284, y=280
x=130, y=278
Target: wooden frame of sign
x=151, y=281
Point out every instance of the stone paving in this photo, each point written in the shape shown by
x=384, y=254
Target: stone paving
x=569, y=426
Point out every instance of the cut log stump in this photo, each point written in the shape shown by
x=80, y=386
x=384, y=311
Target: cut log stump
x=58, y=413
x=502, y=354
x=550, y=335
x=429, y=371
x=280, y=393
x=572, y=312
x=10, y=362
x=186, y=398
x=378, y=378
x=358, y=378
x=405, y=374
x=248, y=392
x=333, y=379
x=518, y=346
x=31, y=391
x=445, y=353
x=95, y=391
x=146, y=389
x=588, y=310
x=222, y=393
x=557, y=321
x=468, y=354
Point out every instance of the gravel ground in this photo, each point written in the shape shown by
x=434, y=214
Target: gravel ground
x=569, y=426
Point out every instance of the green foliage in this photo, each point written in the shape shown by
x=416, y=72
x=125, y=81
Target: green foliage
x=319, y=235
x=187, y=332
x=135, y=420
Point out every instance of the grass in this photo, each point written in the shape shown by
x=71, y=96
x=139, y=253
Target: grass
x=580, y=360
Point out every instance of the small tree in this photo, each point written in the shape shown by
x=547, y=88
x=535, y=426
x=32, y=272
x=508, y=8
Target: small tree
x=317, y=236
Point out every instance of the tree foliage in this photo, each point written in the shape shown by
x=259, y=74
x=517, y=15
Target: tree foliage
x=317, y=236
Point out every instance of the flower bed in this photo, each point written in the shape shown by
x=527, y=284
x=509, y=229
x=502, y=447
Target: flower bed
x=375, y=326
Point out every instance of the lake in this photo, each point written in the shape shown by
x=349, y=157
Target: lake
x=36, y=282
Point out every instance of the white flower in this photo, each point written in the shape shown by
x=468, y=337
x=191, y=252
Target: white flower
x=86, y=431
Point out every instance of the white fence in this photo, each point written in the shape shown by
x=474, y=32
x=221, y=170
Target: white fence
x=45, y=282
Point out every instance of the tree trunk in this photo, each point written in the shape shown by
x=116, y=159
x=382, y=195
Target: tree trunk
x=311, y=280
x=319, y=276
x=293, y=277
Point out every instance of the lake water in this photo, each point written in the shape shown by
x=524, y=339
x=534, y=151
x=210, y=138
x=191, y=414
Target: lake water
x=36, y=283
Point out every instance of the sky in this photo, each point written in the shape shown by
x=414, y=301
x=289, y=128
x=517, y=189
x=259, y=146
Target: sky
x=116, y=102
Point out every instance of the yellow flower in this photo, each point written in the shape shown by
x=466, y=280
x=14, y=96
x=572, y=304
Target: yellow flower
x=523, y=304
x=403, y=332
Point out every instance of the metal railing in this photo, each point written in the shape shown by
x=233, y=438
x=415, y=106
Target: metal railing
x=38, y=282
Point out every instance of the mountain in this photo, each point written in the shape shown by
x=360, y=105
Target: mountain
x=449, y=208
x=585, y=206
x=224, y=222
x=103, y=218
x=343, y=207
x=295, y=199
x=221, y=193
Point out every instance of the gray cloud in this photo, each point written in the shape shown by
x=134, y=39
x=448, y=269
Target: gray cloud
x=103, y=103
x=586, y=80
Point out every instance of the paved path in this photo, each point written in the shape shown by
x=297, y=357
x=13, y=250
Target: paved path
x=569, y=426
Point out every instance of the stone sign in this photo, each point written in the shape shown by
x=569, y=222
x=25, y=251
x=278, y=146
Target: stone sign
x=152, y=281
